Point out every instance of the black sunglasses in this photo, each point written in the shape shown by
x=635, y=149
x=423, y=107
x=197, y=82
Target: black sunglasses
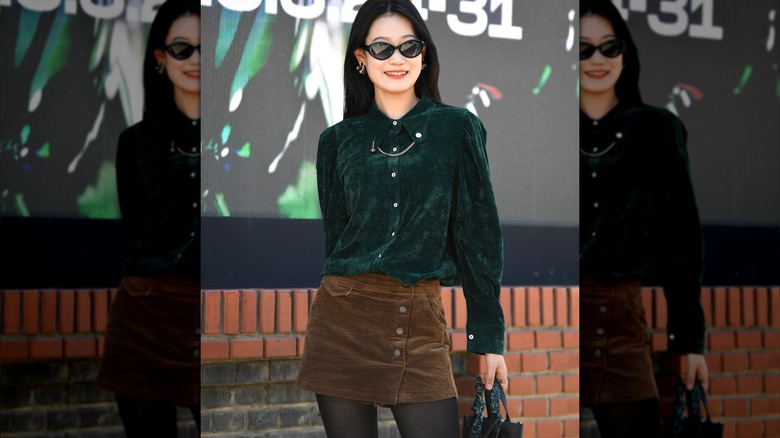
x=181, y=50
x=381, y=50
x=610, y=49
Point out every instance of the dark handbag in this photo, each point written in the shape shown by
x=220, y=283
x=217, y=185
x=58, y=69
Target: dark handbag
x=492, y=425
x=694, y=425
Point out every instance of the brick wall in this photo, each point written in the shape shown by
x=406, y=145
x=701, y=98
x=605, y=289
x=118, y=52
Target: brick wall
x=50, y=347
x=253, y=339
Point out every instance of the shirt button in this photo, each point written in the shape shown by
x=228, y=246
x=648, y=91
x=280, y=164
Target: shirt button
x=471, y=336
x=192, y=234
x=399, y=331
x=194, y=149
x=594, y=174
x=402, y=309
x=595, y=123
x=193, y=175
x=595, y=205
x=596, y=149
x=393, y=174
x=619, y=134
x=395, y=122
x=671, y=337
x=178, y=256
x=194, y=123
x=597, y=353
x=393, y=234
x=380, y=256
x=600, y=331
x=397, y=353
x=418, y=135
x=395, y=149
x=395, y=204
x=194, y=205
x=593, y=234
x=603, y=309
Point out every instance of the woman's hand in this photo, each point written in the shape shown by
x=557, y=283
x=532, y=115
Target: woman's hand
x=496, y=369
x=697, y=370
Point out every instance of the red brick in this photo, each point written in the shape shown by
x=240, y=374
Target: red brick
x=715, y=406
x=534, y=407
x=772, y=383
x=772, y=427
x=771, y=340
x=548, y=306
x=735, y=407
x=101, y=345
x=67, y=312
x=513, y=361
x=99, y=310
x=267, y=311
x=83, y=311
x=735, y=362
x=714, y=362
x=534, y=296
x=523, y=341
x=521, y=385
x=571, y=383
x=719, y=307
x=30, y=312
x=248, y=312
x=774, y=310
x=548, y=384
x=12, y=305
x=760, y=361
x=564, y=406
x=548, y=340
x=300, y=310
x=446, y=302
x=505, y=299
x=647, y=303
x=529, y=428
x=458, y=341
x=214, y=350
x=283, y=311
x=571, y=428
x=300, y=343
x=564, y=361
x=280, y=347
x=213, y=313
x=571, y=339
x=660, y=316
x=534, y=362
x=45, y=348
x=561, y=307
x=721, y=341
x=749, y=384
x=548, y=429
x=575, y=306
x=246, y=348
x=48, y=312
x=519, y=310
x=729, y=429
x=80, y=347
x=514, y=408
x=230, y=312
x=749, y=429
x=762, y=306
x=706, y=305
x=14, y=350
x=459, y=307
x=748, y=306
x=722, y=385
x=765, y=406
x=748, y=339
x=734, y=312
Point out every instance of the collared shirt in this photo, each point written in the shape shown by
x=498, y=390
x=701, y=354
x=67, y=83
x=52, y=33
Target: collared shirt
x=638, y=214
x=158, y=182
x=427, y=213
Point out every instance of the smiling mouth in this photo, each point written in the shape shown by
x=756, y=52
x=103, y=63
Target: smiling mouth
x=597, y=74
x=396, y=73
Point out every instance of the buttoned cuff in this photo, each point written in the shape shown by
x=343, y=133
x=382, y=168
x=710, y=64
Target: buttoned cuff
x=482, y=338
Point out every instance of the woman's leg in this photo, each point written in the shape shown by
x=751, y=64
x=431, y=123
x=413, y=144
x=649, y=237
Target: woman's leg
x=635, y=419
x=145, y=418
x=347, y=418
x=430, y=419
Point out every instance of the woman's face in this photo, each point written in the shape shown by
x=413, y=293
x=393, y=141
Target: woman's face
x=397, y=74
x=598, y=74
x=183, y=73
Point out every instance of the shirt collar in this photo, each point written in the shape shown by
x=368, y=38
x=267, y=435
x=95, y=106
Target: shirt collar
x=415, y=122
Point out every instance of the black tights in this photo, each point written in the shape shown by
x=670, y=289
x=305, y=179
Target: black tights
x=346, y=418
x=145, y=418
x=635, y=420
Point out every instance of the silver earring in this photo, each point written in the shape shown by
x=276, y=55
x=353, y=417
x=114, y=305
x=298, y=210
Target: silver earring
x=424, y=65
x=361, y=68
x=160, y=68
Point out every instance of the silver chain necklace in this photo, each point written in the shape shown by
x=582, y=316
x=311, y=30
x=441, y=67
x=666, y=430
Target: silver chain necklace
x=377, y=148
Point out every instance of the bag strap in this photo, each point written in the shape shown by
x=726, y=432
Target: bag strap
x=501, y=396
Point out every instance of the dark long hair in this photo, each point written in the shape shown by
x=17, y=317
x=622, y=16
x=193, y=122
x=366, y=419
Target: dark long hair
x=358, y=88
x=158, y=89
x=627, y=86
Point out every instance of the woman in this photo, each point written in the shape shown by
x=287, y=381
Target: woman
x=407, y=204
x=638, y=219
x=152, y=359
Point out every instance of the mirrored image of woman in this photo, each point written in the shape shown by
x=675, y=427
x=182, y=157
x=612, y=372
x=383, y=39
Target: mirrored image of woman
x=407, y=205
x=152, y=360
x=638, y=218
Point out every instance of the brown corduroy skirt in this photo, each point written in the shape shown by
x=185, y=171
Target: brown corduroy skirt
x=615, y=364
x=373, y=340
x=152, y=348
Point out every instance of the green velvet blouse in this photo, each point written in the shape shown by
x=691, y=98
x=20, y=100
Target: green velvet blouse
x=638, y=214
x=158, y=182
x=426, y=213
